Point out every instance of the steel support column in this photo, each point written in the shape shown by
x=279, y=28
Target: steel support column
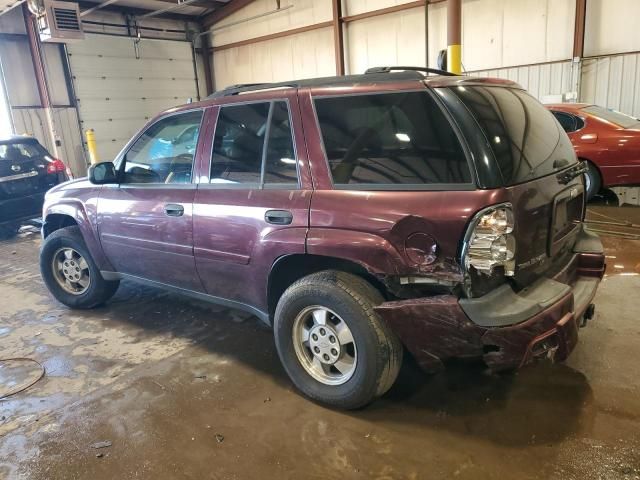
x=35, y=47
x=454, y=36
x=338, y=36
x=578, y=32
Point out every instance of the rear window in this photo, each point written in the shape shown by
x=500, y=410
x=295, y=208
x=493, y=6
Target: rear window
x=619, y=118
x=527, y=141
x=390, y=139
x=14, y=152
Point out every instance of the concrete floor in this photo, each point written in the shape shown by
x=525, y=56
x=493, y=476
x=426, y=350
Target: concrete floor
x=182, y=389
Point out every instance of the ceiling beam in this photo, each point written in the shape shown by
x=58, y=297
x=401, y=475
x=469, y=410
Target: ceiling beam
x=210, y=4
x=232, y=7
x=84, y=5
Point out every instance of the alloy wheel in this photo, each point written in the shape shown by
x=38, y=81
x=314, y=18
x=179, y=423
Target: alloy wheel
x=324, y=345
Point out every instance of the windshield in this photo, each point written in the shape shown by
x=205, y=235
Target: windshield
x=526, y=139
x=613, y=116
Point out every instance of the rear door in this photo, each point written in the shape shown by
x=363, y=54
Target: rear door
x=252, y=202
x=145, y=223
x=534, y=157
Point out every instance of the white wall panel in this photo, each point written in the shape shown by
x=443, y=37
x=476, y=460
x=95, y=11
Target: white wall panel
x=11, y=21
x=355, y=7
x=543, y=80
x=32, y=121
x=612, y=27
x=503, y=33
x=392, y=39
x=303, y=13
x=19, y=74
x=613, y=82
x=304, y=55
x=54, y=68
x=437, y=31
x=117, y=92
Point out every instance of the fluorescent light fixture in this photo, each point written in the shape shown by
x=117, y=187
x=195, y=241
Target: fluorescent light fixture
x=288, y=161
x=403, y=137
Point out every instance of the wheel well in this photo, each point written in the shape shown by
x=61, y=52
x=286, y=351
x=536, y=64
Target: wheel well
x=56, y=221
x=592, y=164
x=286, y=270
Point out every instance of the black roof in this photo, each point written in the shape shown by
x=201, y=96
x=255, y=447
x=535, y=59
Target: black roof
x=17, y=139
x=366, y=78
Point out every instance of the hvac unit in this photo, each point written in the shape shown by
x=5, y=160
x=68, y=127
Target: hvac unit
x=57, y=21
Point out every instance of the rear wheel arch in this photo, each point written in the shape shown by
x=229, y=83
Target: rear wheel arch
x=288, y=269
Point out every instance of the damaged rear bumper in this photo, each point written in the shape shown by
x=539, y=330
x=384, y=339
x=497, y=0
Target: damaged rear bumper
x=506, y=329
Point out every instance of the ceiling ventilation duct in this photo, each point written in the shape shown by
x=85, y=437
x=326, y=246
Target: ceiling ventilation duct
x=57, y=21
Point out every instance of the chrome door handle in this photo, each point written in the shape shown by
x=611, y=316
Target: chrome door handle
x=174, y=210
x=278, y=217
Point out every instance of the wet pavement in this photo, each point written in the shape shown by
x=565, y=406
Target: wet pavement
x=186, y=390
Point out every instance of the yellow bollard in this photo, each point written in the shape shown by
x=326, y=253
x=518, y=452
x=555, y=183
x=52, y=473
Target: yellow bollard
x=91, y=146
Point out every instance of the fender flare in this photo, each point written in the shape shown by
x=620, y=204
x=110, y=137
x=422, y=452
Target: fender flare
x=76, y=210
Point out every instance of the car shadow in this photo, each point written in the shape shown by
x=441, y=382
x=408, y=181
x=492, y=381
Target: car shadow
x=542, y=404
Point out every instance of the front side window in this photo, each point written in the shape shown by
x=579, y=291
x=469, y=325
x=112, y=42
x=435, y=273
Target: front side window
x=165, y=151
x=253, y=145
x=390, y=139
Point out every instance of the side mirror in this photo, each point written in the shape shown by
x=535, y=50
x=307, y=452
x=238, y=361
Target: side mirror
x=103, y=173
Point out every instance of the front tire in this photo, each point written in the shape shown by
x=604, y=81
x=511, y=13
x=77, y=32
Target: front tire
x=332, y=344
x=69, y=272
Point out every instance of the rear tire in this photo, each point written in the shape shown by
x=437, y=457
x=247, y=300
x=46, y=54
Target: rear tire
x=69, y=272
x=592, y=180
x=358, y=357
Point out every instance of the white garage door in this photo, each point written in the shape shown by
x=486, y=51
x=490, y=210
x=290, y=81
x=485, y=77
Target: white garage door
x=119, y=88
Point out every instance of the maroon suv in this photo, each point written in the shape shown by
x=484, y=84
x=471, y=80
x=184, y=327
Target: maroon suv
x=356, y=215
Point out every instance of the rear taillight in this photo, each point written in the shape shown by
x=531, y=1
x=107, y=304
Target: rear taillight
x=489, y=242
x=56, y=166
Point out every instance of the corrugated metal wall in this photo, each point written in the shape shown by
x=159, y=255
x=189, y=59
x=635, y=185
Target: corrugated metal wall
x=32, y=121
x=613, y=82
x=543, y=81
x=404, y=45
x=262, y=62
x=303, y=55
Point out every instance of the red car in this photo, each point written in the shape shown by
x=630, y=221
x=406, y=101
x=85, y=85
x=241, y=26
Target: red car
x=608, y=140
x=355, y=215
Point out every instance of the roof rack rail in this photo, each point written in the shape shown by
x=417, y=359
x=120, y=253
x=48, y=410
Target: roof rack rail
x=249, y=87
x=435, y=71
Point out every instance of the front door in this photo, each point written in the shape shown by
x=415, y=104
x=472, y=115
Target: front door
x=146, y=222
x=252, y=203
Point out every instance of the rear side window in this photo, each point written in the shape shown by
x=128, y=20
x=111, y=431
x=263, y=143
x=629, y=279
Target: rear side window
x=390, y=139
x=566, y=121
x=253, y=145
x=526, y=140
